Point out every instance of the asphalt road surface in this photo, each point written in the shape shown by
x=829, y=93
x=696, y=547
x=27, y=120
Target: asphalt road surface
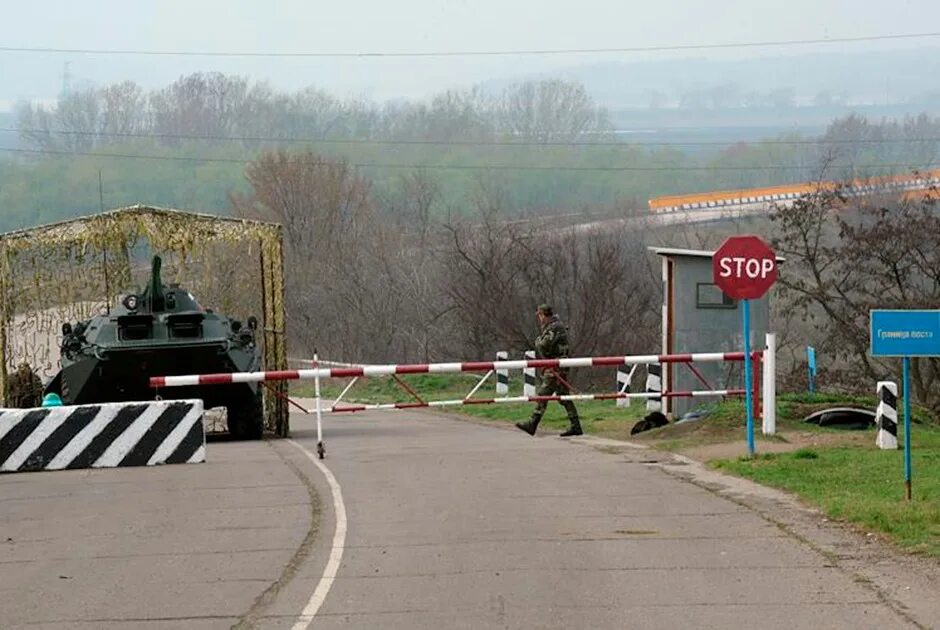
x=413, y=520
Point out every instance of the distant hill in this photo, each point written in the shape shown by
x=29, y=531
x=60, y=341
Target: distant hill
x=909, y=76
x=641, y=124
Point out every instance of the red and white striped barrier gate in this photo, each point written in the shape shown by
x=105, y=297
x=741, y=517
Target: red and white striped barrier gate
x=318, y=373
x=157, y=382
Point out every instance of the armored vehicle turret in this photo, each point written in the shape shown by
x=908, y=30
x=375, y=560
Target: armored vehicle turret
x=161, y=331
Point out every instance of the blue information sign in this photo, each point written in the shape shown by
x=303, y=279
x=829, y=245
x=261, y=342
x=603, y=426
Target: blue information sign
x=905, y=333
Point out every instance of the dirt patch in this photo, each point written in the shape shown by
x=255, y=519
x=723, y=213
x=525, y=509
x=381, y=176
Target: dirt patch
x=787, y=441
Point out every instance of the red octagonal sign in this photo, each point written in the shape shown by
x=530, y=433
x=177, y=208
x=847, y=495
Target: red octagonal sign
x=744, y=267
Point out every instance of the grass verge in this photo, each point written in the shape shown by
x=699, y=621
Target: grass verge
x=861, y=485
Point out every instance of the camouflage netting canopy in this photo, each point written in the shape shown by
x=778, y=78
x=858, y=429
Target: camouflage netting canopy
x=75, y=269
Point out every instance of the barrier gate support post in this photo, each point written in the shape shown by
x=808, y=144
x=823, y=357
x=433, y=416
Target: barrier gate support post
x=769, y=408
x=321, y=450
x=654, y=385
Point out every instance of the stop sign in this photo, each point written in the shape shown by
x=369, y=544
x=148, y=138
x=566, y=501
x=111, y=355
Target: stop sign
x=744, y=267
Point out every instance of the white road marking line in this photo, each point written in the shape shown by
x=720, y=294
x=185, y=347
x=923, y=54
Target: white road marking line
x=336, y=553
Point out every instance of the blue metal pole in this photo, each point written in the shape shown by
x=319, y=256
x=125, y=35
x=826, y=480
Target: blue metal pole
x=748, y=395
x=811, y=364
x=907, y=426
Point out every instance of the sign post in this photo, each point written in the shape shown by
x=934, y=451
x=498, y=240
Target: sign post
x=905, y=334
x=745, y=268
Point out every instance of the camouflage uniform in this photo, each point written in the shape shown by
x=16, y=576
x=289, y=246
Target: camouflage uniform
x=552, y=343
x=24, y=388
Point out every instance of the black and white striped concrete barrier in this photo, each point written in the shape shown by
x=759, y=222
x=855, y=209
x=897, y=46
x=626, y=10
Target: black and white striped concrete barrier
x=654, y=384
x=102, y=436
x=528, y=376
x=502, y=375
x=886, y=416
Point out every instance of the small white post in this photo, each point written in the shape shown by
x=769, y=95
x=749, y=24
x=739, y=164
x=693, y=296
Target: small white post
x=886, y=416
x=502, y=375
x=316, y=390
x=654, y=384
x=769, y=408
x=623, y=384
x=528, y=385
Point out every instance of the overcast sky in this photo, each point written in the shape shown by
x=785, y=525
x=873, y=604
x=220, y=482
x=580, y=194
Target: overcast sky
x=357, y=26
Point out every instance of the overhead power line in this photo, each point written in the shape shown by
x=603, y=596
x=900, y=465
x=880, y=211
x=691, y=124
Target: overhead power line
x=467, y=53
x=470, y=143
x=454, y=167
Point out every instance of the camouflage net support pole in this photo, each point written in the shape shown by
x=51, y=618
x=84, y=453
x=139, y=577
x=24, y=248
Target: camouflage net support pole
x=275, y=353
x=4, y=321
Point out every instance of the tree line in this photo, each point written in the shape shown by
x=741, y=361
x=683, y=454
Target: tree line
x=424, y=284
x=403, y=279
x=844, y=257
x=218, y=107
x=548, y=142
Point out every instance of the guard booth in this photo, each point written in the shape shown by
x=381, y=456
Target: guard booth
x=698, y=317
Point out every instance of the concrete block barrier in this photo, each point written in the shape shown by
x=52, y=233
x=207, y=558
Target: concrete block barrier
x=143, y=433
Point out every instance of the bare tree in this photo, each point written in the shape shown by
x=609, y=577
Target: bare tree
x=551, y=111
x=326, y=210
x=497, y=271
x=848, y=256
x=208, y=105
x=123, y=108
x=36, y=125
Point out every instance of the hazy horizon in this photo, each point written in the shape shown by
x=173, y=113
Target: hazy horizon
x=418, y=26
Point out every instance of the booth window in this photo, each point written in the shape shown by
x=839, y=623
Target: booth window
x=708, y=295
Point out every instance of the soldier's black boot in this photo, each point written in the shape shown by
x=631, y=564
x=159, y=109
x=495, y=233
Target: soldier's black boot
x=530, y=426
x=574, y=429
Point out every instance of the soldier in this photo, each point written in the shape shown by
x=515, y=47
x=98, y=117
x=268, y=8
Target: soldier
x=552, y=343
x=24, y=388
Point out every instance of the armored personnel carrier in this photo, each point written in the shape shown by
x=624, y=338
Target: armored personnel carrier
x=161, y=331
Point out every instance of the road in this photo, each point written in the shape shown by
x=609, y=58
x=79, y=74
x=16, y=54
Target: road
x=449, y=524
x=649, y=220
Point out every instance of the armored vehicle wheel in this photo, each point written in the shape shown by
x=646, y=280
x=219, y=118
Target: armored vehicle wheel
x=246, y=417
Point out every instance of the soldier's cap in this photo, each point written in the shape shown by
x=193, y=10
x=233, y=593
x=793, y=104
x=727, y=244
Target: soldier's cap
x=545, y=309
